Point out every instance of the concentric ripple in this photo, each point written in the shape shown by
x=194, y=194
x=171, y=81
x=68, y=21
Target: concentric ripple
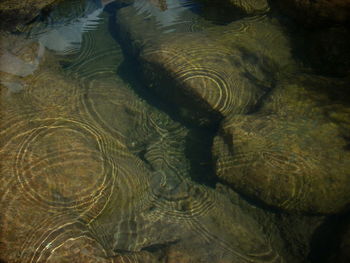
x=282, y=159
x=195, y=209
x=52, y=94
x=92, y=173
x=177, y=197
x=48, y=175
x=68, y=175
x=221, y=85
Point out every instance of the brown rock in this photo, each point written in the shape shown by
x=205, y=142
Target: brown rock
x=219, y=72
x=284, y=156
x=15, y=12
x=71, y=189
x=213, y=73
x=289, y=232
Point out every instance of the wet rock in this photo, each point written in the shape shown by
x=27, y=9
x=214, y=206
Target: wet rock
x=103, y=201
x=19, y=57
x=67, y=163
x=283, y=154
x=213, y=73
x=176, y=255
x=315, y=13
x=146, y=131
x=63, y=170
x=312, y=97
x=210, y=237
x=68, y=167
x=219, y=72
x=14, y=13
x=67, y=173
x=23, y=64
x=290, y=233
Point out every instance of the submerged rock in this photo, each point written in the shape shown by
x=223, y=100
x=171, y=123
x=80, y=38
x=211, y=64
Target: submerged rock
x=213, y=73
x=15, y=12
x=222, y=71
x=289, y=164
x=73, y=189
x=19, y=57
x=290, y=233
x=290, y=155
x=98, y=202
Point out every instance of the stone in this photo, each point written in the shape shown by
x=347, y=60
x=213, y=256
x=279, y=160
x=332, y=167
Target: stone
x=290, y=233
x=95, y=200
x=73, y=187
x=283, y=155
x=19, y=57
x=14, y=13
x=212, y=73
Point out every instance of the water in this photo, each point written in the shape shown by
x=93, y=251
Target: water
x=164, y=131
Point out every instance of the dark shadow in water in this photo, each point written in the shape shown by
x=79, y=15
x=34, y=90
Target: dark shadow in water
x=158, y=247
x=218, y=12
x=347, y=147
x=252, y=201
x=198, y=152
x=325, y=242
x=198, y=141
x=112, y=7
x=322, y=48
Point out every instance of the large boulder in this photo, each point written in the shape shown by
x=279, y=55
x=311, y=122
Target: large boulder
x=292, y=154
x=212, y=73
x=292, y=165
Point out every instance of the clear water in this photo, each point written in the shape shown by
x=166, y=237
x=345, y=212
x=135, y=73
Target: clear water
x=105, y=158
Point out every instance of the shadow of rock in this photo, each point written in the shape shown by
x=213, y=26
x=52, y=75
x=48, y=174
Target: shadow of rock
x=224, y=12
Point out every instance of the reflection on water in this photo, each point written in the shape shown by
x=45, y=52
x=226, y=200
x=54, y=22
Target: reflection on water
x=127, y=126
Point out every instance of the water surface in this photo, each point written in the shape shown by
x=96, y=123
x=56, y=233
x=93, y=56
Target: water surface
x=161, y=131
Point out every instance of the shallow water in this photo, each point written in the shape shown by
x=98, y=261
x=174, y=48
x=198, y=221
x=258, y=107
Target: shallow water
x=165, y=131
